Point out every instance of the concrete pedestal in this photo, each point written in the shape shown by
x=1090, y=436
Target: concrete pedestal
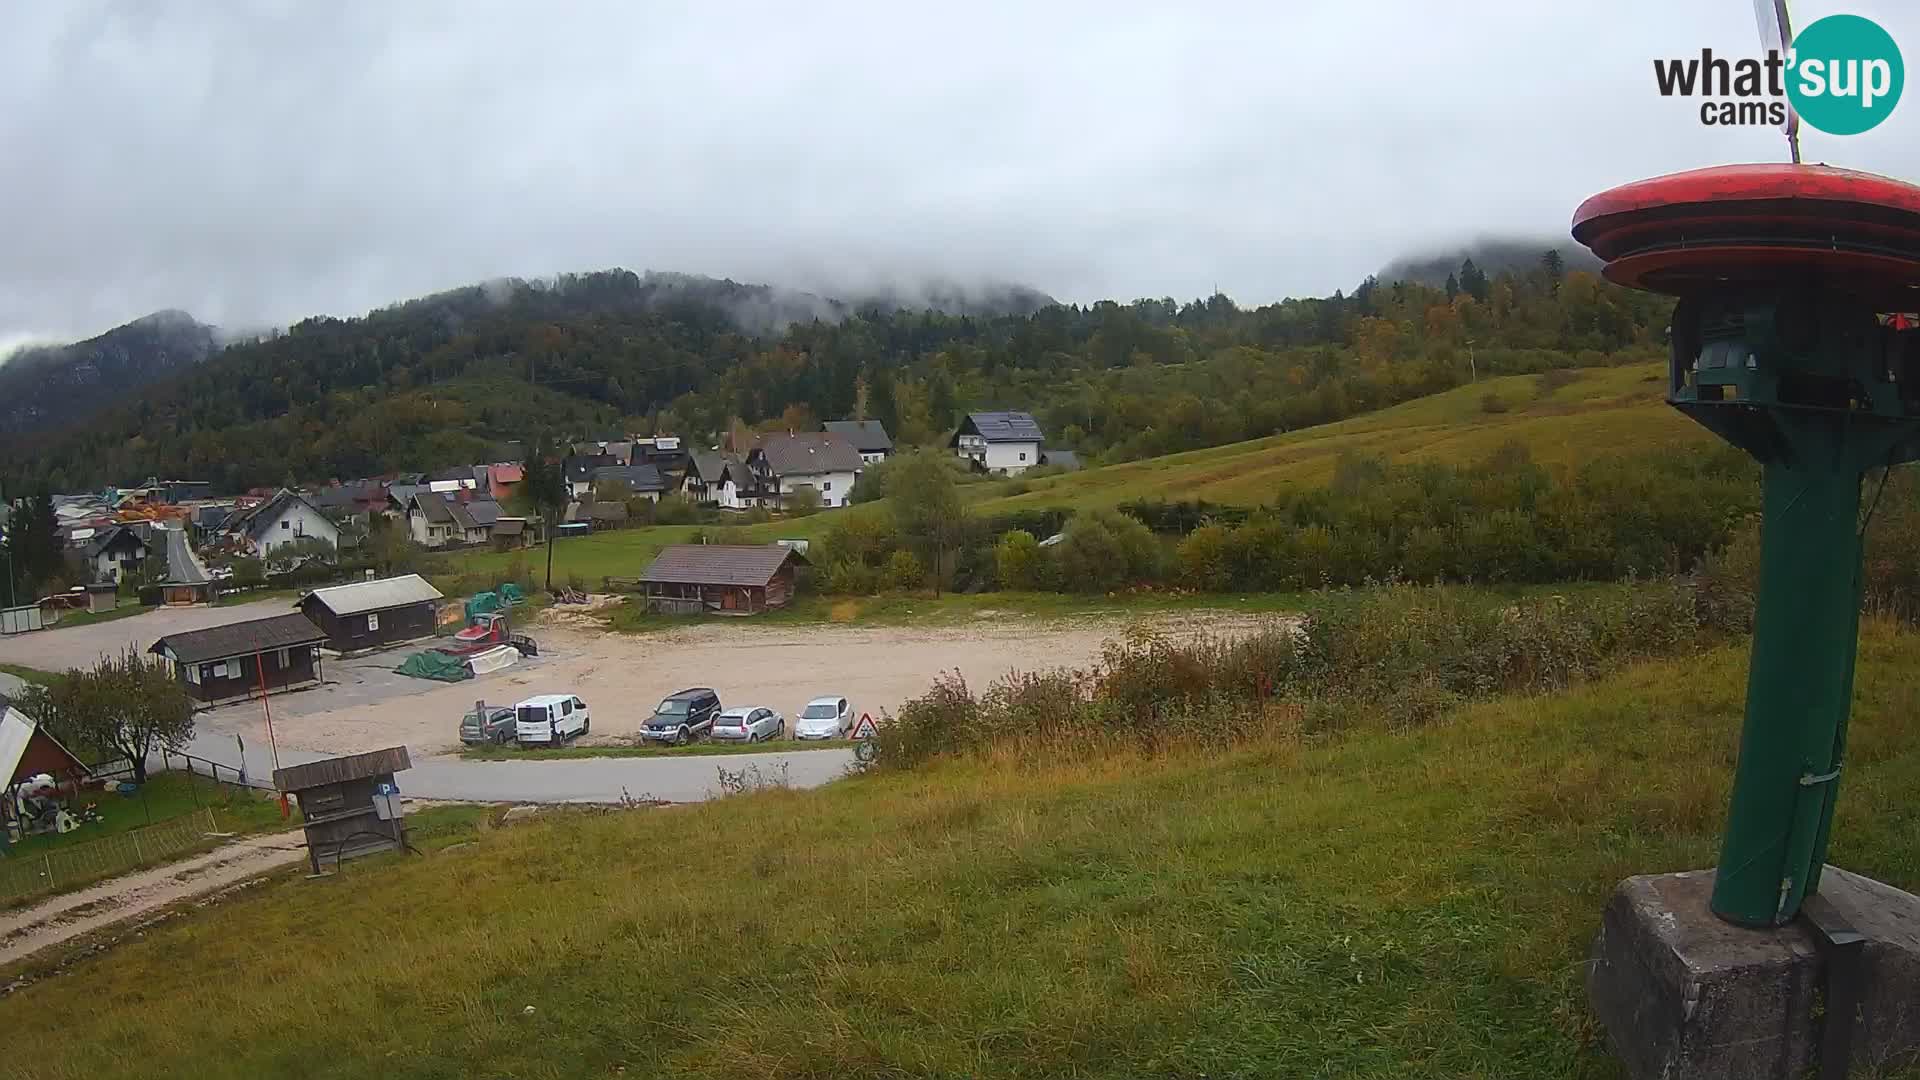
x=1685, y=996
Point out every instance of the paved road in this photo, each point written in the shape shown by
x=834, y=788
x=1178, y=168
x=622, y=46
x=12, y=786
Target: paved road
x=66, y=647
x=601, y=780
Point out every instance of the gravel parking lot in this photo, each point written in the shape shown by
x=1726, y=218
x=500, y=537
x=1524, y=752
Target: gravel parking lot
x=365, y=705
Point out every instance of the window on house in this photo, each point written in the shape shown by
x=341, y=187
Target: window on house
x=373, y=621
x=193, y=674
x=286, y=659
x=285, y=524
x=827, y=486
x=1023, y=455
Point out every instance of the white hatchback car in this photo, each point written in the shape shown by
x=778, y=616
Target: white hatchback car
x=824, y=718
x=751, y=724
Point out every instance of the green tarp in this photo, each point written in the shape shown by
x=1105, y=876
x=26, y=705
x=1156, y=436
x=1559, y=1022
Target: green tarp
x=435, y=665
x=511, y=594
x=485, y=603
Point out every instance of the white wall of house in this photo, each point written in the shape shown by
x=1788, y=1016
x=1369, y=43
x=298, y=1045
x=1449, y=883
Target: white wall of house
x=292, y=520
x=834, y=487
x=109, y=567
x=425, y=533
x=1000, y=457
x=872, y=456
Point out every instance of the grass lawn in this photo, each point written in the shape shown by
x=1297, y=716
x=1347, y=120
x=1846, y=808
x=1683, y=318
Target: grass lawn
x=32, y=675
x=1414, y=904
x=87, y=618
x=164, y=797
x=172, y=816
x=699, y=749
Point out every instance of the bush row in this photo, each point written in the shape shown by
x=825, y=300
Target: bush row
x=1394, y=657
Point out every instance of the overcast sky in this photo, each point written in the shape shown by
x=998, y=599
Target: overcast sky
x=255, y=163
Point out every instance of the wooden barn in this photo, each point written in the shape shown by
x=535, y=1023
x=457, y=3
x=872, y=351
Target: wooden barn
x=373, y=614
x=730, y=579
x=235, y=662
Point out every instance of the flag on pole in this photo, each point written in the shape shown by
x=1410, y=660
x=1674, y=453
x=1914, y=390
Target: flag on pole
x=1776, y=32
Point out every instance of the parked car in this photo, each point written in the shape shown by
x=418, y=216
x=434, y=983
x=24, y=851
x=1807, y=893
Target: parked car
x=824, y=718
x=550, y=719
x=486, y=725
x=683, y=717
x=751, y=724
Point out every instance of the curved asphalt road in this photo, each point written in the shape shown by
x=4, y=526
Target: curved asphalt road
x=595, y=780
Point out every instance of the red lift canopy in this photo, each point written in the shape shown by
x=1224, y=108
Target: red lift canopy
x=1705, y=230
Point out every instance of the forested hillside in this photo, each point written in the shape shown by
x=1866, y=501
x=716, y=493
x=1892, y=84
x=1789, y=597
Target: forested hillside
x=442, y=380
x=48, y=386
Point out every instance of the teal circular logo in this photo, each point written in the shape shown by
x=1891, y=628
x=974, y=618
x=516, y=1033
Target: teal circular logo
x=1844, y=74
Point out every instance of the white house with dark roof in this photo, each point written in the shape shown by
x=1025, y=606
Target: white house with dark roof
x=286, y=518
x=781, y=465
x=867, y=436
x=999, y=442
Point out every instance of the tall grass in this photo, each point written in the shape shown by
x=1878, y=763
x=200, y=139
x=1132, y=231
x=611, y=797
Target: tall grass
x=1391, y=657
x=1415, y=905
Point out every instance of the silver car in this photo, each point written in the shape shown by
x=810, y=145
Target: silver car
x=751, y=724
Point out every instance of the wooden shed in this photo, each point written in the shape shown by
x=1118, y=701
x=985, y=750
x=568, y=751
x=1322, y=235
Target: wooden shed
x=730, y=579
x=373, y=614
x=349, y=805
x=237, y=661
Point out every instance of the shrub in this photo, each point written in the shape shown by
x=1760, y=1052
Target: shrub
x=904, y=571
x=800, y=502
x=1493, y=403
x=1017, y=561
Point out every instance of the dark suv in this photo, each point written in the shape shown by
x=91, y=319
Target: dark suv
x=683, y=717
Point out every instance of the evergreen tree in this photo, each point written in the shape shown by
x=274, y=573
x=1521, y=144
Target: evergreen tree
x=1474, y=281
x=882, y=403
x=1555, y=266
x=1453, y=286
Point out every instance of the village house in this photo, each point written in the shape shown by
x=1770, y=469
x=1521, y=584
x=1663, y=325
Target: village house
x=373, y=614
x=639, y=481
x=237, y=661
x=28, y=750
x=730, y=579
x=999, y=442
x=435, y=520
x=579, y=472
x=115, y=553
x=821, y=461
x=867, y=436
x=286, y=518
x=504, y=480
x=716, y=478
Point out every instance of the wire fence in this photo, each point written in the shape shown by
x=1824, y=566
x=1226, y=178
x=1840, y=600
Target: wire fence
x=28, y=874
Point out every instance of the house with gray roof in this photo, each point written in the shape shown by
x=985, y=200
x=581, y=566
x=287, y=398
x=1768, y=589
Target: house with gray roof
x=115, y=553
x=999, y=442
x=867, y=436
x=824, y=461
x=244, y=659
x=726, y=579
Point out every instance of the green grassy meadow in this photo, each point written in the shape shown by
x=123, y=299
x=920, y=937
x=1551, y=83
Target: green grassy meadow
x=1374, y=904
x=1602, y=411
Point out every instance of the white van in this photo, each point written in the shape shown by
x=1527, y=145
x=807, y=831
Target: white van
x=549, y=719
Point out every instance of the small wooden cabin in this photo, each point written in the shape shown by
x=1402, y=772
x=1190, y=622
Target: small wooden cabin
x=728, y=579
x=235, y=662
x=350, y=806
x=374, y=614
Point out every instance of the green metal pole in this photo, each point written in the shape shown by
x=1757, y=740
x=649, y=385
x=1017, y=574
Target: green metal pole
x=1799, y=683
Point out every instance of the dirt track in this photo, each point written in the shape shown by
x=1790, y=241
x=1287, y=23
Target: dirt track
x=622, y=678
x=65, y=917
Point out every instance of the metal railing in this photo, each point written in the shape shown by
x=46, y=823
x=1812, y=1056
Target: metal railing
x=28, y=873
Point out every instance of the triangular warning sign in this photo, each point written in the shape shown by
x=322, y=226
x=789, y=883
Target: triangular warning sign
x=864, y=728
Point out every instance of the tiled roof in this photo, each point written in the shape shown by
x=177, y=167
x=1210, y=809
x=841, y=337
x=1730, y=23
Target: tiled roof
x=719, y=564
x=810, y=453
x=867, y=436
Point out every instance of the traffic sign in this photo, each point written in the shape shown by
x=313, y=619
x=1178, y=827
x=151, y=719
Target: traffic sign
x=863, y=729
